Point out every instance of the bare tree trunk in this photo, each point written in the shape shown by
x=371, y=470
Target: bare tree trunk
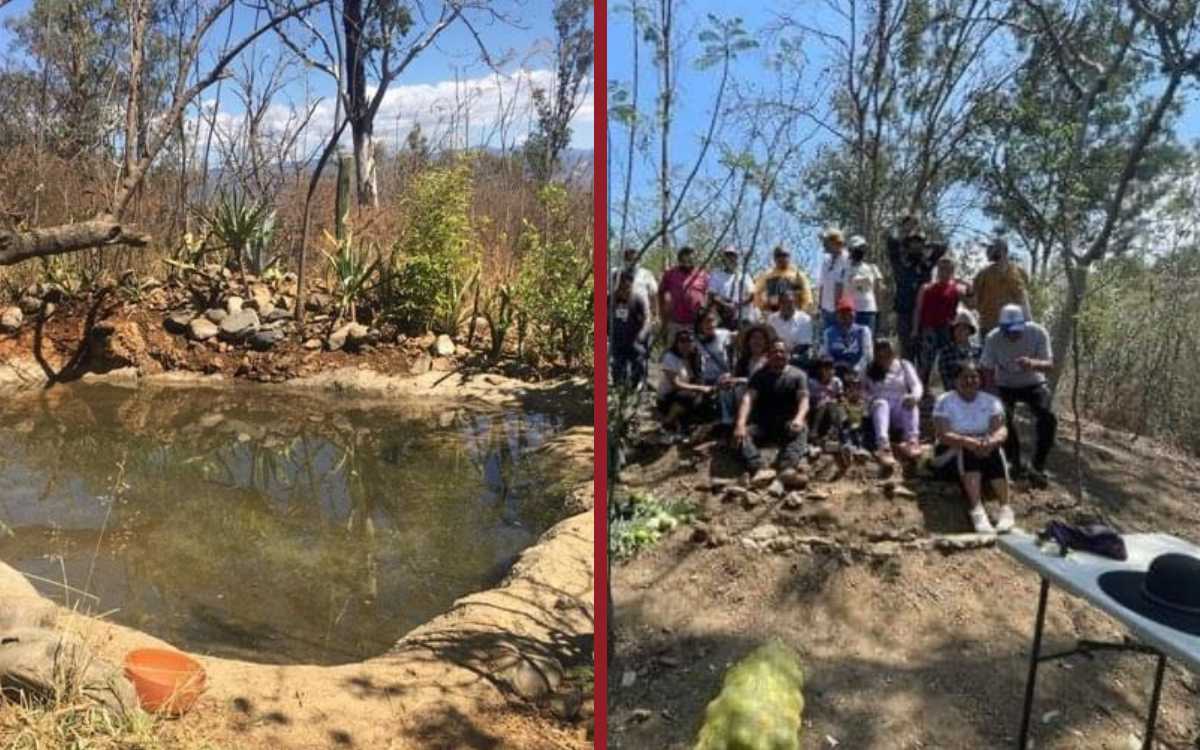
x=312, y=188
x=666, y=8
x=366, y=178
x=1062, y=333
x=138, y=13
x=633, y=102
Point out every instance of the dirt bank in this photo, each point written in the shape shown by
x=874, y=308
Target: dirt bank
x=904, y=646
x=504, y=668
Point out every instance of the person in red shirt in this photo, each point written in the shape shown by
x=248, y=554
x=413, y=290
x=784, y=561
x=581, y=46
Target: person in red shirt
x=682, y=293
x=937, y=304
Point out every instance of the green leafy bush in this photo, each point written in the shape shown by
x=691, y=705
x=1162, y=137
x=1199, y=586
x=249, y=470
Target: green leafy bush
x=434, y=263
x=554, y=287
x=760, y=705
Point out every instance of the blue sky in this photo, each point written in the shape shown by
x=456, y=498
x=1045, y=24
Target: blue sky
x=697, y=89
x=425, y=94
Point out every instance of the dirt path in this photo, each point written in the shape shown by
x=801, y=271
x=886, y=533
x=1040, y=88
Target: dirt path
x=903, y=648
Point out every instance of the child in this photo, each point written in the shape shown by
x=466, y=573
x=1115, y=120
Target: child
x=825, y=395
x=854, y=408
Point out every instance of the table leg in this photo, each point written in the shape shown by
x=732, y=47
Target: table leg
x=1152, y=719
x=1031, y=679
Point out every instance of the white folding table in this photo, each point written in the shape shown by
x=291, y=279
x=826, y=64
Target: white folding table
x=1079, y=573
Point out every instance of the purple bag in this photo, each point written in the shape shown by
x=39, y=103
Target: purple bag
x=1095, y=538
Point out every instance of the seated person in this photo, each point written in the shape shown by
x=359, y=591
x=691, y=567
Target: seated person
x=752, y=351
x=847, y=343
x=961, y=347
x=893, y=392
x=1016, y=357
x=774, y=409
x=681, y=394
x=715, y=346
x=794, y=328
x=970, y=433
x=825, y=414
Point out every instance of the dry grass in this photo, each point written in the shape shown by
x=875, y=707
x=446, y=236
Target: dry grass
x=43, y=190
x=78, y=725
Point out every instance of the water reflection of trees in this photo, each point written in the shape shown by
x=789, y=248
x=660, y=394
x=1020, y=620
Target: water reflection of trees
x=234, y=486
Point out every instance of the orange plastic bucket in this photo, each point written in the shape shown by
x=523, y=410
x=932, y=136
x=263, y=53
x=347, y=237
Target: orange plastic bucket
x=166, y=681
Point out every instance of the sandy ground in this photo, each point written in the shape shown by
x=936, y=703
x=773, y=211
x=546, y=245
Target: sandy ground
x=903, y=648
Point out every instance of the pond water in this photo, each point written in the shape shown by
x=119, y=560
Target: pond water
x=267, y=525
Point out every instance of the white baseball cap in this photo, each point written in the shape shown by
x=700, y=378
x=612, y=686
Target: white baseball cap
x=1012, y=318
x=856, y=241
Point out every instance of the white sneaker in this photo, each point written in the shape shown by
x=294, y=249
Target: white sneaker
x=980, y=520
x=1004, y=519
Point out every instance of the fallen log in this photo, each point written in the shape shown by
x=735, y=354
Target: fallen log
x=102, y=231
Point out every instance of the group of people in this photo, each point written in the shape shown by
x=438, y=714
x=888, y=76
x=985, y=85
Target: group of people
x=771, y=362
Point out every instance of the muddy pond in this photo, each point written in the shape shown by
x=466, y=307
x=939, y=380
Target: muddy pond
x=266, y=524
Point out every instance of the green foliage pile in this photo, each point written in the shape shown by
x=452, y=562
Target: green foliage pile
x=760, y=704
x=641, y=522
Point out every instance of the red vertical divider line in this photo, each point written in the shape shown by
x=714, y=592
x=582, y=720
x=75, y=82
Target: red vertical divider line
x=600, y=248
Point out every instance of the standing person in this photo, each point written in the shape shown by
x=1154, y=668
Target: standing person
x=1016, y=356
x=961, y=349
x=1000, y=283
x=861, y=279
x=682, y=294
x=795, y=329
x=847, y=343
x=832, y=283
x=912, y=261
x=731, y=292
x=894, y=390
x=643, y=279
x=970, y=430
x=783, y=279
x=937, y=304
x=776, y=401
x=630, y=333
x=716, y=364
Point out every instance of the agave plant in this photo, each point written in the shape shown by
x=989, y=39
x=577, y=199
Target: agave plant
x=245, y=229
x=353, y=269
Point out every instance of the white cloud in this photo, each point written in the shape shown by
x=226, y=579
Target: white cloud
x=491, y=111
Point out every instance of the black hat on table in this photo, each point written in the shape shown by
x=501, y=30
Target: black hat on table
x=1168, y=592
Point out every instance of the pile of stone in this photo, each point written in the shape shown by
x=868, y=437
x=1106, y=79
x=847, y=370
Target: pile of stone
x=257, y=322
x=35, y=300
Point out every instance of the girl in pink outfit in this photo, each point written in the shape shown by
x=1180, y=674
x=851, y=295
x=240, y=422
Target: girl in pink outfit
x=894, y=391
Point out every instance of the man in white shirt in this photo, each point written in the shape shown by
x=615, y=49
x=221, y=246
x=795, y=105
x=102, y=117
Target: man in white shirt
x=731, y=292
x=834, y=266
x=794, y=328
x=1016, y=358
